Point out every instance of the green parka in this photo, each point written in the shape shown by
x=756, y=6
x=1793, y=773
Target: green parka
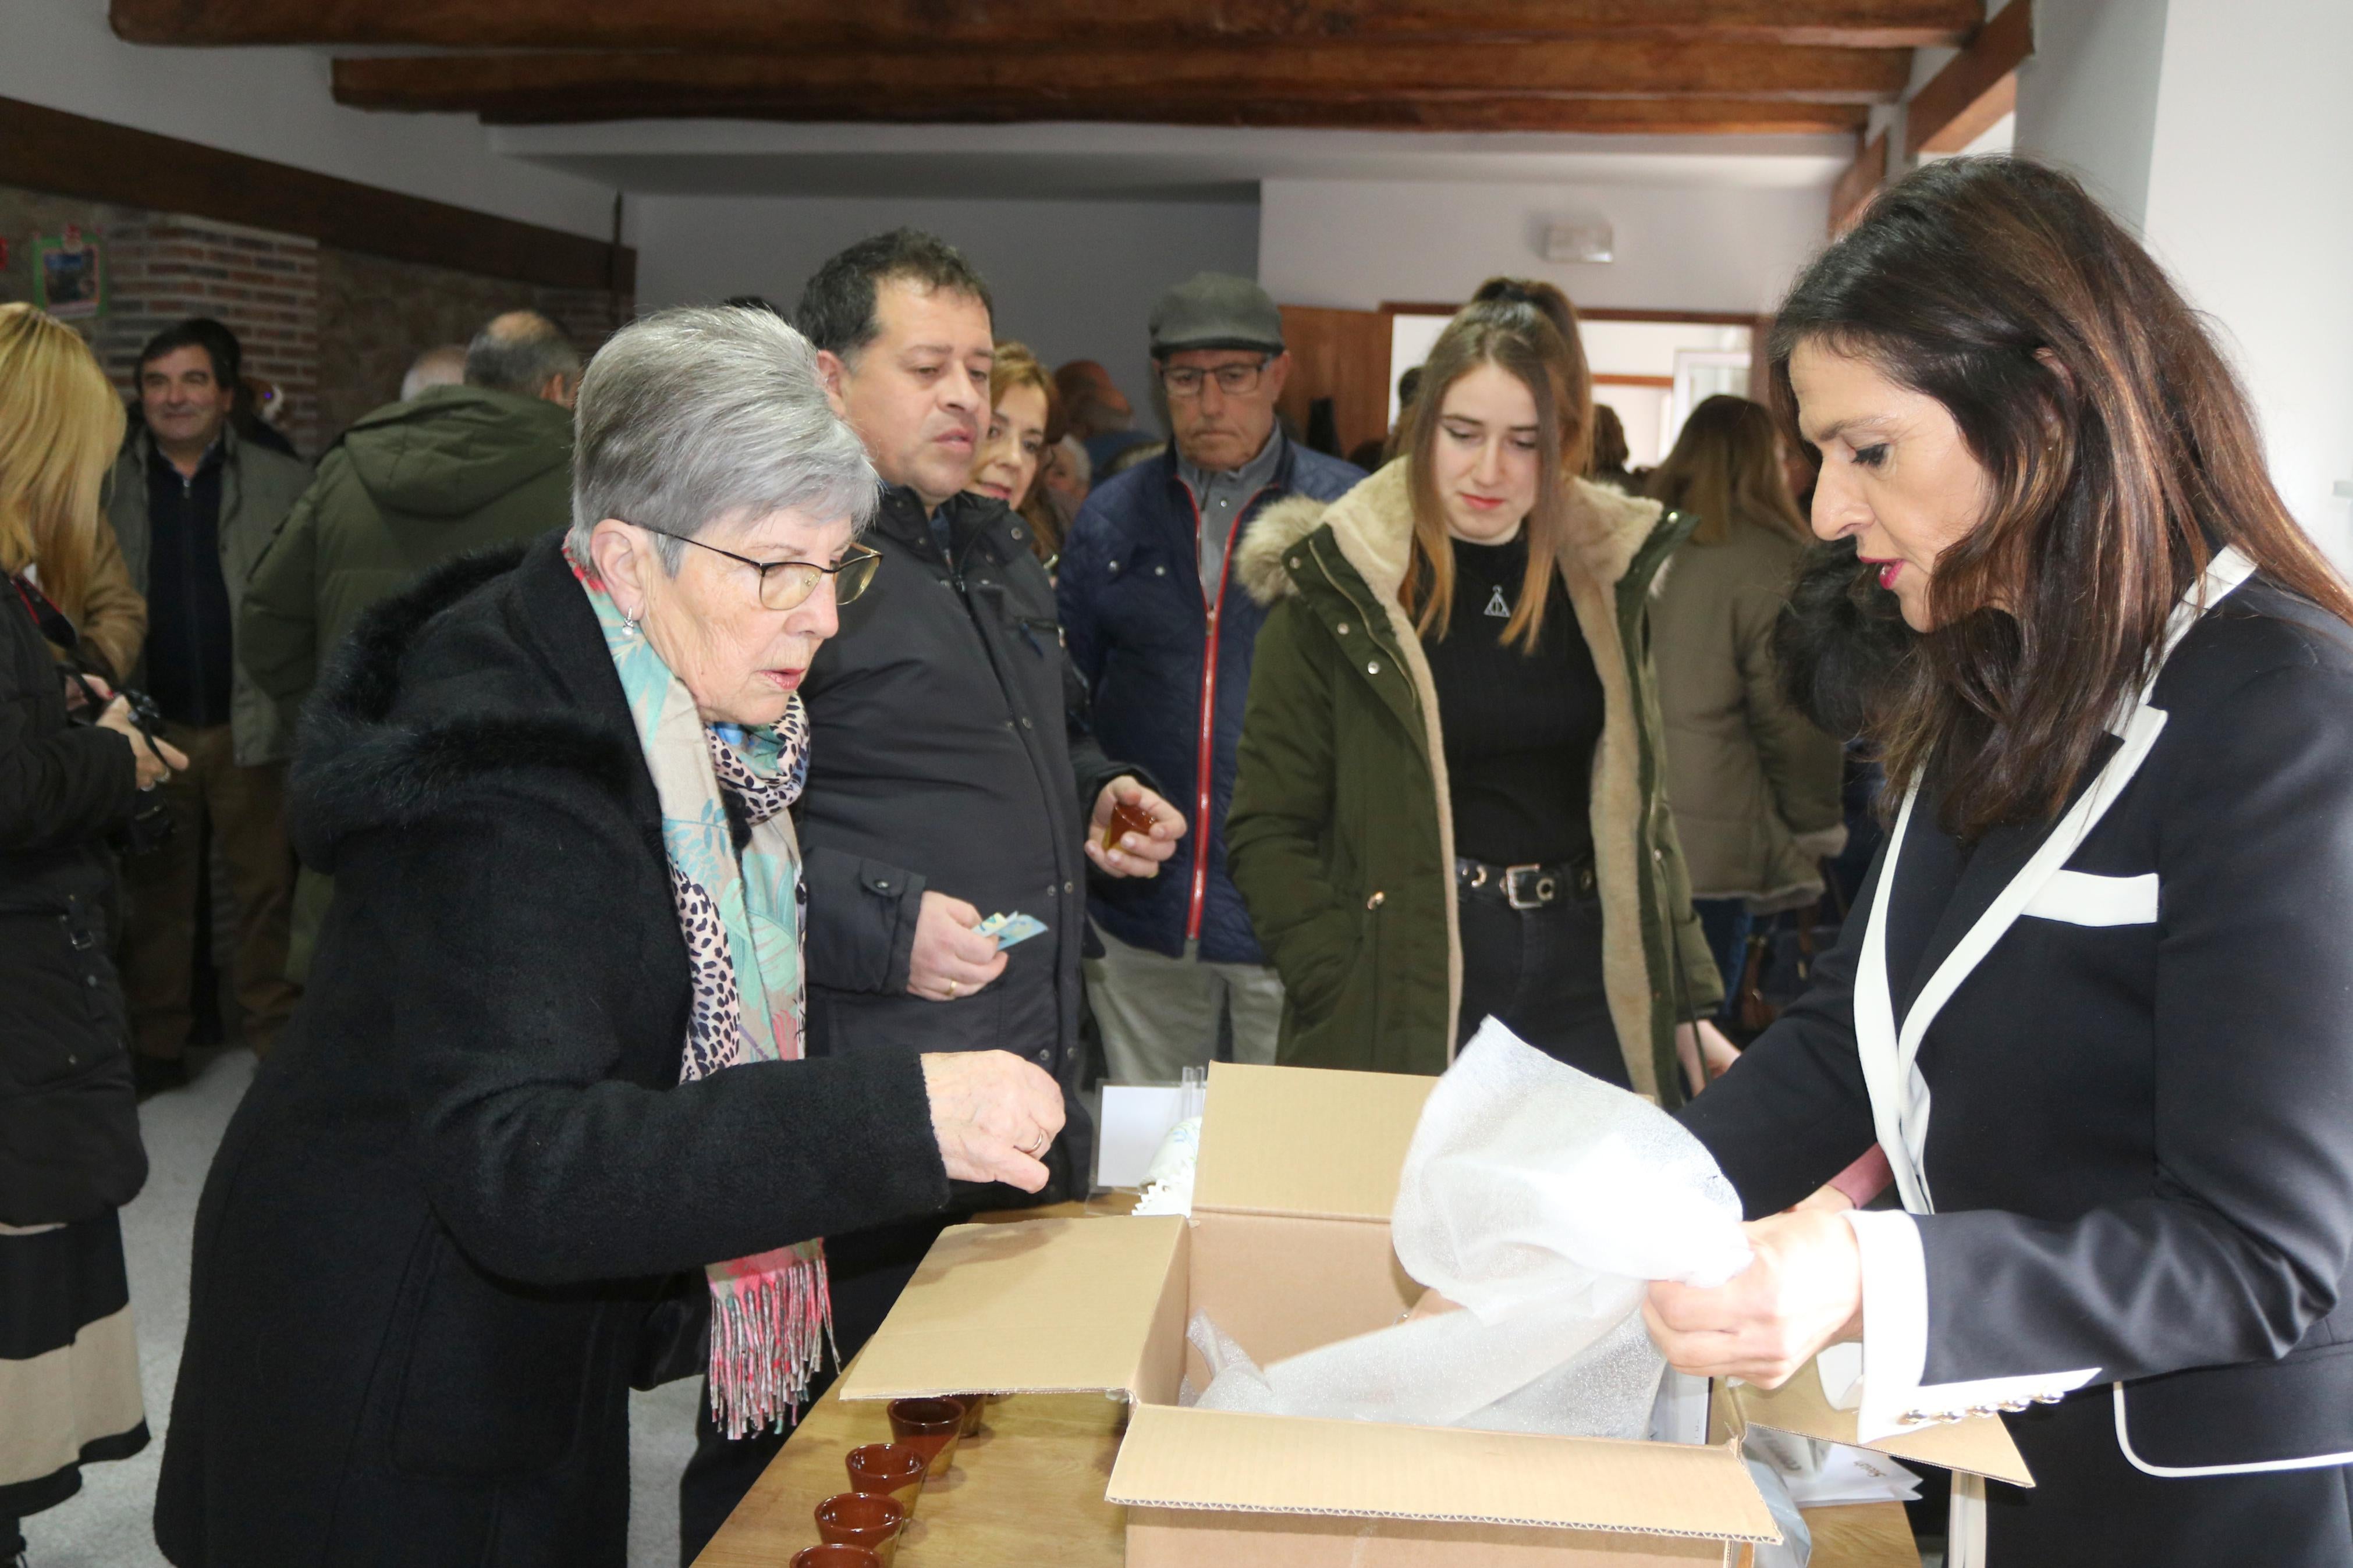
x=1341, y=837
x=1754, y=785
x=455, y=469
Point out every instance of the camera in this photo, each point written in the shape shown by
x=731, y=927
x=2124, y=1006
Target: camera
x=150, y=828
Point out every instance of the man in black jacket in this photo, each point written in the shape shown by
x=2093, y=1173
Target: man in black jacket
x=951, y=772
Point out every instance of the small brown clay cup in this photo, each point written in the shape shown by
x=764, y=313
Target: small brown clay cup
x=888, y=1470
x=930, y=1426
x=1125, y=818
x=973, y=1403
x=861, y=1519
x=836, y=1554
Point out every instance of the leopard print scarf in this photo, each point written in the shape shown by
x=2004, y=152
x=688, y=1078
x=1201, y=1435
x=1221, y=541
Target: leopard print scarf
x=742, y=916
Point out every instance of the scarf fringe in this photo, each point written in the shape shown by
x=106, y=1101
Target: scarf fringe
x=770, y=1333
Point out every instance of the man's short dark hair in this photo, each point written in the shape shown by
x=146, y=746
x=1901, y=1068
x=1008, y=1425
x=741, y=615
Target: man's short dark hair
x=220, y=346
x=837, y=309
x=518, y=351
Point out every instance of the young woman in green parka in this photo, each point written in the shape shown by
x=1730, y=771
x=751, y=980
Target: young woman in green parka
x=1450, y=802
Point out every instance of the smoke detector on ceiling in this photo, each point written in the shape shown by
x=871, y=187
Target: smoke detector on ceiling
x=1578, y=239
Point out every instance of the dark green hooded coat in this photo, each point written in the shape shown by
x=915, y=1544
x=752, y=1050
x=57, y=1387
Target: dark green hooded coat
x=1342, y=838
x=456, y=469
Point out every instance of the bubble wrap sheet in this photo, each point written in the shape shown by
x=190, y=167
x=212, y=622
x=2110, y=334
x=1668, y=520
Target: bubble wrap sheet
x=1540, y=1200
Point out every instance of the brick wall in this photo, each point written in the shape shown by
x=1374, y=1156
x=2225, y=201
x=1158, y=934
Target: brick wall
x=263, y=286
x=335, y=331
x=376, y=316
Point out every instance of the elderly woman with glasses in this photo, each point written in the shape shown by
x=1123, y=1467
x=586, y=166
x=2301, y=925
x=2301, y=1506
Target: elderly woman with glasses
x=548, y=1080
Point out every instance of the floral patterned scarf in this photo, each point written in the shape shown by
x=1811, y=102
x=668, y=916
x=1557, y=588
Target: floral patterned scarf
x=771, y=1315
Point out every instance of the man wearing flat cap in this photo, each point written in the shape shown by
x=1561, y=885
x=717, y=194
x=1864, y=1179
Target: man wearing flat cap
x=1162, y=635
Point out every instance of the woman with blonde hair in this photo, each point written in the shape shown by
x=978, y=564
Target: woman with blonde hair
x=1449, y=806
x=1024, y=417
x=69, y=1150
x=1753, y=784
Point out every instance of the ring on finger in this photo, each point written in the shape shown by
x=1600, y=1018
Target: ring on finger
x=952, y=990
x=1034, y=1149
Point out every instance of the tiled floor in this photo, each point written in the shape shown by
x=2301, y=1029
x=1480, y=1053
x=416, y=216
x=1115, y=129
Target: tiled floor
x=107, y=1526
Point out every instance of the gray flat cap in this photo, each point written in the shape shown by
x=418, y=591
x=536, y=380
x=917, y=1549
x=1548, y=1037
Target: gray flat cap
x=1216, y=310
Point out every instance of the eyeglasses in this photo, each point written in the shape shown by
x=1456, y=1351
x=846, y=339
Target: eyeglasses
x=787, y=585
x=1184, y=382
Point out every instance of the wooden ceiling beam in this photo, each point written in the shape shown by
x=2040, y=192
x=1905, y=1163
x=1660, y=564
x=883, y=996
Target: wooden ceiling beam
x=1225, y=84
x=1858, y=183
x=796, y=24
x=1596, y=116
x=1977, y=87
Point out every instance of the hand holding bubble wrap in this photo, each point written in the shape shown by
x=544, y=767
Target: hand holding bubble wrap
x=1541, y=1201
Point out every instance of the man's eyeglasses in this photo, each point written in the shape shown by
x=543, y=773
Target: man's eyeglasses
x=1184, y=382
x=787, y=585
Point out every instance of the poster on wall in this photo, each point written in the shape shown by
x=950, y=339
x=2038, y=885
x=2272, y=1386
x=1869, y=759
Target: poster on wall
x=68, y=281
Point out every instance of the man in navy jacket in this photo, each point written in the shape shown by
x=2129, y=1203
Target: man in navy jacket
x=1164, y=648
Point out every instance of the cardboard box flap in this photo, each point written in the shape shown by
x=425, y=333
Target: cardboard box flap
x=1306, y=1141
x=1980, y=1445
x=1174, y=1458
x=1042, y=1305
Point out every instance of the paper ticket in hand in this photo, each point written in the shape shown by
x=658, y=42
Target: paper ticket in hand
x=1010, y=929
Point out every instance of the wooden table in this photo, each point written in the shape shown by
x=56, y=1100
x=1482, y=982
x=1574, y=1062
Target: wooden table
x=1028, y=1492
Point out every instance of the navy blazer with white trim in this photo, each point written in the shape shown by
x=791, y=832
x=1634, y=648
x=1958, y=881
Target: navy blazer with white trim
x=2142, y=1140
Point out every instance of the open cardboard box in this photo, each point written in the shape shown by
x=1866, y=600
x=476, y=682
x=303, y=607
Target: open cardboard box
x=1288, y=1248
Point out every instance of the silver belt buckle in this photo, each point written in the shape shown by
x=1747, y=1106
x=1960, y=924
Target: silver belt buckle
x=1516, y=876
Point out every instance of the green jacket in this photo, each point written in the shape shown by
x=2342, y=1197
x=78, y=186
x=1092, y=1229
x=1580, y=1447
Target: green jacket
x=1754, y=786
x=456, y=469
x=1342, y=838
x=259, y=487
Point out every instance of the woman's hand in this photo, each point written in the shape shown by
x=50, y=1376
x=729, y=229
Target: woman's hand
x=157, y=759
x=994, y=1115
x=1705, y=1053
x=1803, y=1291
x=950, y=958
x=1137, y=854
x=76, y=698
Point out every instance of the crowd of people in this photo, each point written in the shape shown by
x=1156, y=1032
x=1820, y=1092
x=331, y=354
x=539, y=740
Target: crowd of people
x=697, y=821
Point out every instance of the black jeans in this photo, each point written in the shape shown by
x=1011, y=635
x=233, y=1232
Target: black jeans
x=1539, y=971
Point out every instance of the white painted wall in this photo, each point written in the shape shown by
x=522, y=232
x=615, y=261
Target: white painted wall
x=1071, y=279
x=1684, y=247
x=2087, y=99
x=275, y=103
x=2250, y=202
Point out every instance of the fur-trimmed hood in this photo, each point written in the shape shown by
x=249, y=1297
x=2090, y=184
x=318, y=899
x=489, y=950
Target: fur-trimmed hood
x=1374, y=527
x=436, y=689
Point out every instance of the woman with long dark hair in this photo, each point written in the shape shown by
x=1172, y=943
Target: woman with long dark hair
x=2092, y=1003
x=1449, y=804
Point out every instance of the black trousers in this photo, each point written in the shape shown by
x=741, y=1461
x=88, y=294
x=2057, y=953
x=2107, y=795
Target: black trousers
x=1539, y=971
x=2089, y=1505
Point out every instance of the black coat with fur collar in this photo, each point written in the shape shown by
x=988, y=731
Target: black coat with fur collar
x=428, y=1243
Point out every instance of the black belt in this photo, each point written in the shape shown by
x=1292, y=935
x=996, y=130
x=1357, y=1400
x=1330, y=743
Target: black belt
x=1523, y=887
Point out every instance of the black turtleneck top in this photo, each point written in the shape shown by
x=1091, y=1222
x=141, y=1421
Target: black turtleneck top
x=1520, y=726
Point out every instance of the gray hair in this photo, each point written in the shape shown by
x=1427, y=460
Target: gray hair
x=443, y=366
x=1081, y=464
x=692, y=416
x=518, y=351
